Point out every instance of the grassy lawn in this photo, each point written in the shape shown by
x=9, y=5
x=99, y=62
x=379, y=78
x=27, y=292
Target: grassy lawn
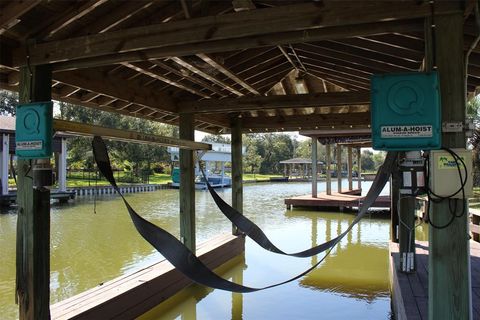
x=78, y=179
x=249, y=176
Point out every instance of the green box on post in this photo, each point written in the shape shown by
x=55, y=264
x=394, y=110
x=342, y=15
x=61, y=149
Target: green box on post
x=33, y=130
x=406, y=113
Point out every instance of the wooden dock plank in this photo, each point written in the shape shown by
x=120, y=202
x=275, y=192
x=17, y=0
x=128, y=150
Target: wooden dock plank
x=410, y=291
x=129, y=296
x=348, y=199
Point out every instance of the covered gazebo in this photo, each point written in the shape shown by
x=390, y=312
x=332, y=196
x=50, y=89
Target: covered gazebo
x=303, y=165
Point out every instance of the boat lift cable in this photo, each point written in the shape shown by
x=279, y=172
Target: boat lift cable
x=185, y=260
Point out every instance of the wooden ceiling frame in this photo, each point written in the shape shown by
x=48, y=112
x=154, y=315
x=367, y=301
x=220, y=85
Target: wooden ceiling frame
x=260, y=22
x=314, y=41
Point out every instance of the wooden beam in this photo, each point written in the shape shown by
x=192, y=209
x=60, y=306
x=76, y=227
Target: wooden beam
x=145, y=68
x=212, y=28
x=14, y=10
x=276, y=101
x=33, y=222
x=117, y=87
x=449, y=291
x=304, y=121
x=211, y=61
x=214, y=46
x=83, y=129
x=187, y=184
x=237, y=167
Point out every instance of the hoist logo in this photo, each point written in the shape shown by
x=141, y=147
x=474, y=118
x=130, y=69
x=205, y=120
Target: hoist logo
x=413, y=131
x=448, y=162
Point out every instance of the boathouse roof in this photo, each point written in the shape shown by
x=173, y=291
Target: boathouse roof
x=279, y=65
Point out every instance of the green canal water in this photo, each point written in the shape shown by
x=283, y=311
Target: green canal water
x=90, y=248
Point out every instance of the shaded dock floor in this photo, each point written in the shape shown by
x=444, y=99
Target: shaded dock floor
x=410, y=291
x=343, y=200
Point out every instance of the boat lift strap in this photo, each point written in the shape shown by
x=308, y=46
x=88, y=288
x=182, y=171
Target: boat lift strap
x=185, y=260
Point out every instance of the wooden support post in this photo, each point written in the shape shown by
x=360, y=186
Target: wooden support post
x=33, y=221
x=237, y=167
x=339, y=168
x=394, y=198
x=449, y=291
x=350, y=168
x=5, y=139
x=359, y=166
x=62, y=167
x=328, y=152
x=187, y=184
x=314, y=167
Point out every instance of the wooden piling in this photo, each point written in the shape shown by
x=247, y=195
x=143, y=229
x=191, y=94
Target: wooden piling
x=449, y=294
x=33, y=222
x=328, y=151
x=237, y=168
x=187, y=184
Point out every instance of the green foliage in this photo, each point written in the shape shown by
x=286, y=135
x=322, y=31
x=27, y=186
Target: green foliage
x=216, y=138
x=8, y=102
x=368, y=163
x=134, y=157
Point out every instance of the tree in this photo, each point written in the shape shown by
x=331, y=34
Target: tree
x=8, y=102
x=216, y=138
x=378, y=159
x=368, y=164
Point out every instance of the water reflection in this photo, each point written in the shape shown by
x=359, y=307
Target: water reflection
x=88, y=249
x=184, y=304
x=354, y=269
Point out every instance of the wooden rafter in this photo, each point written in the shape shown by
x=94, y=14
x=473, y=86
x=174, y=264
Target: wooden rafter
x=212, y=28
x=115, y=86
x=192, y=68
x=57, y=29
x=13, y=10
x=164, y=65
x=211, y=61
x=146, y=69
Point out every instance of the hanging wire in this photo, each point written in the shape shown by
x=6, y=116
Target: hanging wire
x=433, y=36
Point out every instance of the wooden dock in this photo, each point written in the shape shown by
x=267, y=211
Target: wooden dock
x=61, y=196
x=340, y=201
x=130, y=296
x=410, y=291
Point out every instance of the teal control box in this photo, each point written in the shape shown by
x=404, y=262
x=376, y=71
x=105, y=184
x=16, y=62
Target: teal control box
x=406, y=113
x=33, y=130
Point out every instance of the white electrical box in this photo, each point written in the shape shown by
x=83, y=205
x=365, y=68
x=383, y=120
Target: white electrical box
x=443, y=173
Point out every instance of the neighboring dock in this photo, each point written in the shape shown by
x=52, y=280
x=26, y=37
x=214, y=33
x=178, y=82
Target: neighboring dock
x=61, y=196
x=410, y=291
x=341, y=201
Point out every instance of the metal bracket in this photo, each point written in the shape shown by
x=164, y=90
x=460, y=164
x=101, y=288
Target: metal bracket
x=459, y=126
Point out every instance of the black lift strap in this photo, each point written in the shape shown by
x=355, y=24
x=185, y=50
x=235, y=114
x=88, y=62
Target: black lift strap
x=185, y=261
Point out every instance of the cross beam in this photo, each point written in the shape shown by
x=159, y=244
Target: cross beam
x=328, y=99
